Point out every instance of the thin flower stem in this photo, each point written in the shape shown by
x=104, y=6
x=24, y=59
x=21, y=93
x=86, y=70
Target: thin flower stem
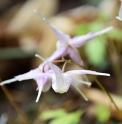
x=116, y=65
x=58, y=61
x=11, y=99
x=64, y=66
x=99, y=84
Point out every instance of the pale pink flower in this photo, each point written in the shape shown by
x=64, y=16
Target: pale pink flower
x=67, y=45
x=62, y=81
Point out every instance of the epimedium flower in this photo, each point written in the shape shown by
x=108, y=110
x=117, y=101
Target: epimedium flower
x=67, y=45
x=59, y=80
x=44, y=80
x=62, y=81
x=120, y=12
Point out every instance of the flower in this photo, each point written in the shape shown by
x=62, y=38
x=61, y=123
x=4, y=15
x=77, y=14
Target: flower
x=67, y=45
x=62, y=81
x=43, y=80
x=120, y=12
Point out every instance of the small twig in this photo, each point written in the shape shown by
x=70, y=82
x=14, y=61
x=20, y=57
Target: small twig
x=11, y=99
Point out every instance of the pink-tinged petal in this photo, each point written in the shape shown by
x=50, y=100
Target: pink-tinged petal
x=61, y=52
x=79, y=41
x=47, y=84
x=55, y=68
x=44, y=83
x=28, y=75
x=64, y=38
x=40, y=81
x=75, y=56
x=75, y=72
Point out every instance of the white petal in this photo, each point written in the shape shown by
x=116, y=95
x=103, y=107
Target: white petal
x=87, y=72
x=8, y=81
x=62, y=37
x=62, y=85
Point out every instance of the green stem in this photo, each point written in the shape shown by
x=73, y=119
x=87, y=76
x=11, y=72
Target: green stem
x=99, y=84
x=116, y=65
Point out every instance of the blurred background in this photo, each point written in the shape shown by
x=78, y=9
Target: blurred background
x=23, y=34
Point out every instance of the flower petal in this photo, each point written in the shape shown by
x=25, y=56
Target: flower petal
x=75, y=56
x=64, y=38
x=62, y=84
x=86, y=72
x=79, y=41
x=60, y=52
x=47, y=84
x=40, y=81
x=28, y=75
x=8, y=81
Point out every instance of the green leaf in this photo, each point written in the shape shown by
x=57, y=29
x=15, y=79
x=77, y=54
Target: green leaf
x=53, y=114
x=102, y=113
x=72, y=118
x=96, y=51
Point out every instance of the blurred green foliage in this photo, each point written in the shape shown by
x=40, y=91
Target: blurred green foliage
x=60, y=116
x=95, y=50
x=102, y=113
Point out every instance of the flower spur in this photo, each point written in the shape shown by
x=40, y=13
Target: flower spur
x=120, y=12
